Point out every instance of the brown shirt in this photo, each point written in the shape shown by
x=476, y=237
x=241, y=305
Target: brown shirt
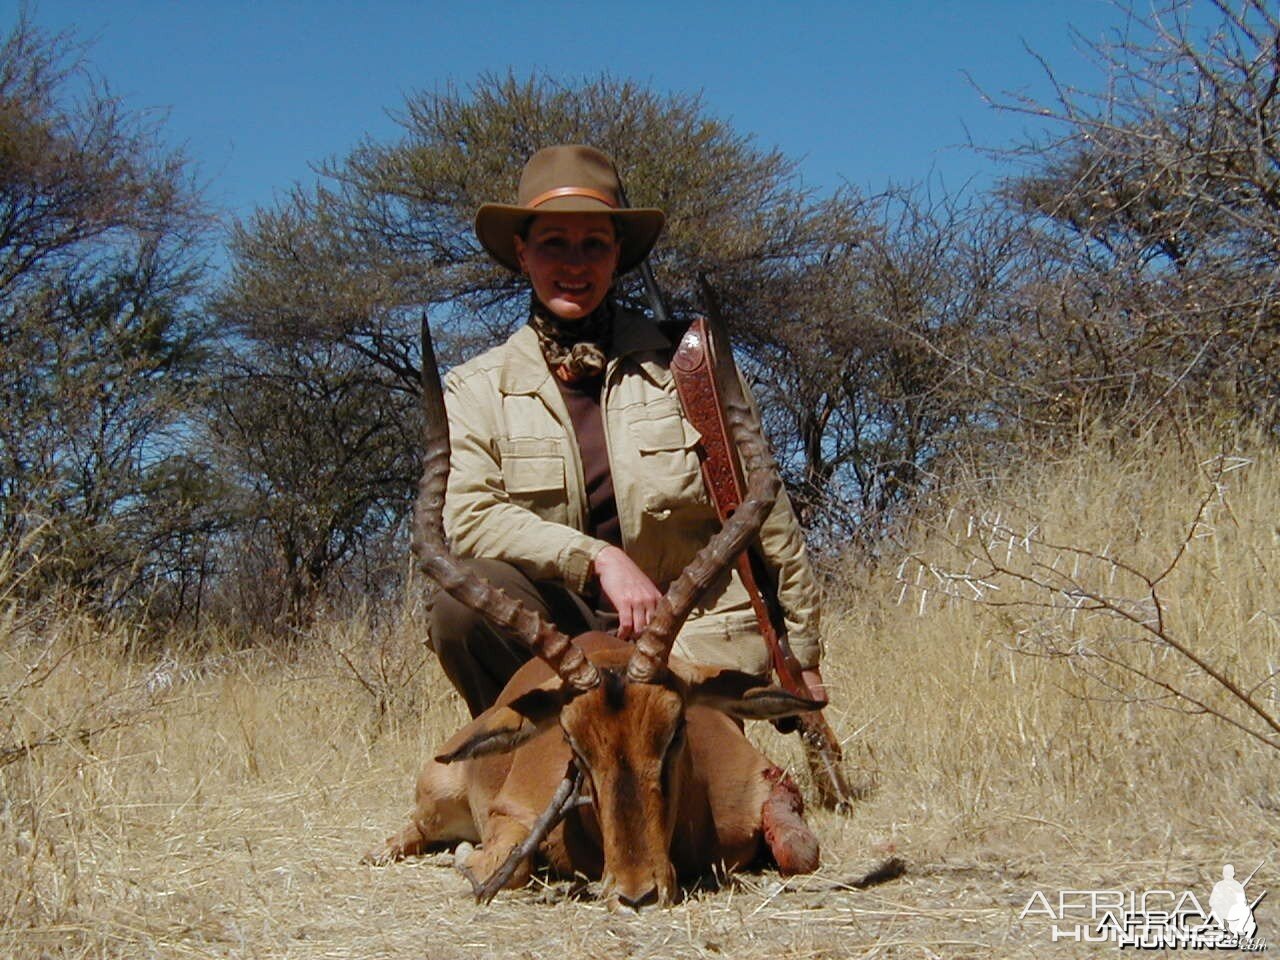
x=582, y=397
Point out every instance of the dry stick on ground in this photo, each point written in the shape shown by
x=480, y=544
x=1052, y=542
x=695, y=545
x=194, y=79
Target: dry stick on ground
x=72, y=731
x=13, y=752
x=562, y=801
x=36, y=675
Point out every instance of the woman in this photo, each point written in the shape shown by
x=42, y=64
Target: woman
x=574, y=483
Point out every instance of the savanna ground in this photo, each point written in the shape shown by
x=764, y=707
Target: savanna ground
x=206, y=802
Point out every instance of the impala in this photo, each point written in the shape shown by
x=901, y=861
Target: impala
x=639, y=754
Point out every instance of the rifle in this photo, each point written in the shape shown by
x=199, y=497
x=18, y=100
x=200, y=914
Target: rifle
x=703, y=367
x=725, y=483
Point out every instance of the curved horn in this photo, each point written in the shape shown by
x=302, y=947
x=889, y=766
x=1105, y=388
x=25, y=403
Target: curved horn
x=438, y=562
x=653, y=646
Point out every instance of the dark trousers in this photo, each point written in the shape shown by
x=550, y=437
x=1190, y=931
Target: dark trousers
x=477, y=659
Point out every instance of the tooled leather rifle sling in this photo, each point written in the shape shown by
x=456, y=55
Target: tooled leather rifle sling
x=693, y=366
x=722, y=474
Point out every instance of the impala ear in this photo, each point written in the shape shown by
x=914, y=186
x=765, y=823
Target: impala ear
x=768, y=703
x=503, y=727
x=742, y=695
x=497, y=730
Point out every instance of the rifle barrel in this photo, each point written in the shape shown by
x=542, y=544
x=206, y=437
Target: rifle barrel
x=651, y=288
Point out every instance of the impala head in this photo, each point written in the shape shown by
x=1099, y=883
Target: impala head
x=628, y=738
x=622, y=710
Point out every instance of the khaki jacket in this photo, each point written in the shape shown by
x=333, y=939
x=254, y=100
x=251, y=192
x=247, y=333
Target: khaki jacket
x=516, y=489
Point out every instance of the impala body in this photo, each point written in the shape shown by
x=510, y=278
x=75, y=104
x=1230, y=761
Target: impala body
x=676, y=789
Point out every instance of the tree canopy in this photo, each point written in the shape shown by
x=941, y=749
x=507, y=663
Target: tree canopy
x=1154, y=208
x=101, y=338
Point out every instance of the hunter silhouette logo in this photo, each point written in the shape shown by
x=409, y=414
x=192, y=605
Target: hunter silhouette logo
x=1230, y=907
x=1155, y=919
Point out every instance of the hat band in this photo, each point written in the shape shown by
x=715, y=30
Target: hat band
x=542, y=198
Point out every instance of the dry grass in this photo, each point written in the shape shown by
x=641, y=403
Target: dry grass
x=215, y=805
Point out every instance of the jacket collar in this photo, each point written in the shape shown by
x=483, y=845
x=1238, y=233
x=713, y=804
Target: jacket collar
x=523, y=368
x=525, y=371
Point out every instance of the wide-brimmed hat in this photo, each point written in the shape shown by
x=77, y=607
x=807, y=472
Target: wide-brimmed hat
x=568, y=179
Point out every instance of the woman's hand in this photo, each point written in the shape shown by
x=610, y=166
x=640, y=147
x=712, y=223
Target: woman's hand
x=627, y=588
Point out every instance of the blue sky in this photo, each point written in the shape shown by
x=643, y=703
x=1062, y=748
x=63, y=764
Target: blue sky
x=869, y=92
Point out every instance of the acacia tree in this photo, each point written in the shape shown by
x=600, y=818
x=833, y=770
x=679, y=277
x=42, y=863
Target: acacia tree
x=389, y=230
x=1145, y=296
x=100, y=346
x=871, y=382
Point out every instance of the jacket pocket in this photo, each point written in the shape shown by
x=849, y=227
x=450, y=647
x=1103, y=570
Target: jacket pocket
x=668, y=456
x=533, y=474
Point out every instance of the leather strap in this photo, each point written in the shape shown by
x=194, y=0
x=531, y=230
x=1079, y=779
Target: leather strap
x=693, y=367
x=587, y=192
x=695, y=382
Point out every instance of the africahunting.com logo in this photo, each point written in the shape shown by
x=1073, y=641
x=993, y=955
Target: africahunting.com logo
x=1154, y=919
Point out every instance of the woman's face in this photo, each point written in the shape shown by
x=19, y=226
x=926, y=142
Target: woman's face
x=570, y=259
